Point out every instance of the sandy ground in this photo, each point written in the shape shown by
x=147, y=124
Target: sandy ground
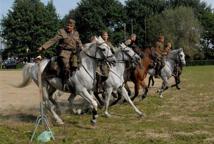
x=21, y=99
x=16, y=99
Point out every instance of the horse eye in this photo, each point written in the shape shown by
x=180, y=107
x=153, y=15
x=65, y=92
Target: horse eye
x=103, y=49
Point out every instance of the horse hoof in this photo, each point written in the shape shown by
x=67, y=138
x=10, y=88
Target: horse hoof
x=141, y=115
x=93, y=123
x=100, y=106
x=143, y=97
x=107, y=115
x=60, y=122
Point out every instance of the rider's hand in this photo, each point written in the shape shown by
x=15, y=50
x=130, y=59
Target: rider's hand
x=39, y=49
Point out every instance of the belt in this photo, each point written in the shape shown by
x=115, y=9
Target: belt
x=69, y=49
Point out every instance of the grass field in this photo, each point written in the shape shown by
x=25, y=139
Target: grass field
x=183, y=116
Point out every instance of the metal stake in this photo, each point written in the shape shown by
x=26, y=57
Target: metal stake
x=41, y=118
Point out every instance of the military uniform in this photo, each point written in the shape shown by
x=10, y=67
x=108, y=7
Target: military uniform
x=103, y=67
x=159, y=53
x=113, y=49
x=159, y=49
x=68, y=44
x=131, y=44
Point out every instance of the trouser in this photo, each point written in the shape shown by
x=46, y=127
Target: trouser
x=159, y=64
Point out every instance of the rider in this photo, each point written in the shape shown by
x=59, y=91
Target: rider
x=69, y=44
x=159, y=52
x=105, y=37
x=131, y=42
x=103, y=67
x=166, y=50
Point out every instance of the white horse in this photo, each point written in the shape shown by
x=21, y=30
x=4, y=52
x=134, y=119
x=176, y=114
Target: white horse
x=174, y=57
x=115, y=80
x=81, y=82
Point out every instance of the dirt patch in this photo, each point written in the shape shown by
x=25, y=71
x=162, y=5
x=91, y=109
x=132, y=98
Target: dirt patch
x=16, y=99
x=27, y=99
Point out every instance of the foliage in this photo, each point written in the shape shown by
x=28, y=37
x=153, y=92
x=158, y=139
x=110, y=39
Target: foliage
x=200, y=62
x=205, y=15
x=28, y=25
x=180, y=27
x=138, y=12
x=94, y=16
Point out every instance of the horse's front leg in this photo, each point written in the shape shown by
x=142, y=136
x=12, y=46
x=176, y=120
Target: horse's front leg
x=136, y=89
x=144, y=86
x=128, y=89
x=50, y=104
x=163, y=87
x=151, y=79
x=177, y=82
x=107, y=93
x=85, y=94
x=125, y=95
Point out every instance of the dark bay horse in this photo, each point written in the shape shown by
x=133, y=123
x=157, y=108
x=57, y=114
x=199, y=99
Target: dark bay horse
x=138, y=74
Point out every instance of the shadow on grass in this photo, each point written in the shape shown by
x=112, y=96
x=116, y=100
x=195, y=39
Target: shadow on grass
x=19, y=117
x=82, y=126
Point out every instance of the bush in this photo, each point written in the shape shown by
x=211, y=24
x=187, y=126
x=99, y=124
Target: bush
x=200, y=62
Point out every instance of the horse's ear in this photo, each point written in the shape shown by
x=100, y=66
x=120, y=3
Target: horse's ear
x=100, y=40
x=96, y=39
x=180, y=49
x=122, y=45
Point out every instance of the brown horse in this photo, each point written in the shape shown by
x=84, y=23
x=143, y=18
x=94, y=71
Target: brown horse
x=138, y=74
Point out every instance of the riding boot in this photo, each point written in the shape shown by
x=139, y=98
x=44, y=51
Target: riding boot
x=157, y=68
x=65, y=79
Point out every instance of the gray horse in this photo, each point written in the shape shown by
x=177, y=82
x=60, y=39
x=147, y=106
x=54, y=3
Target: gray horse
x=81, y=82
x=115, y=80
x=174, y=57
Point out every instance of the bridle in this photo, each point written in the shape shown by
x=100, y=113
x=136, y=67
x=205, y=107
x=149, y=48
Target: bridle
x=126, y=52
x=98, y=48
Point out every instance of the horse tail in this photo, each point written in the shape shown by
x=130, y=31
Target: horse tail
x=26, y=76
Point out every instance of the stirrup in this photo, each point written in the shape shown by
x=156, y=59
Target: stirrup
x=66, y=87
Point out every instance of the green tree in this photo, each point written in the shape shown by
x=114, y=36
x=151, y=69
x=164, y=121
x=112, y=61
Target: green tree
x=208, y=34
x=205, y=15
x=94, y=16
x=179, y=26
x=138, y=12
x=28, y=25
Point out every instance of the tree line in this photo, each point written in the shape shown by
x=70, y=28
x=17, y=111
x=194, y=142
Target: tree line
x=187, y=24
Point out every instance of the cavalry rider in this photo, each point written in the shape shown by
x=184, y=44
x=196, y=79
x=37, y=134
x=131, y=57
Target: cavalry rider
x=105, y=37
x=178, y=67
x=166, y=50
x=69, y=45
x=131, y=42
x=159, y=54
x=103, y=67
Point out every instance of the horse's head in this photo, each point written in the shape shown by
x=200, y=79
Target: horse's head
x=181, y=56
x=129, y=54
x=178, y=56
x=106, y=50
x=99, y=50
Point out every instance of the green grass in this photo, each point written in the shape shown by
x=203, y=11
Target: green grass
x=183, y=116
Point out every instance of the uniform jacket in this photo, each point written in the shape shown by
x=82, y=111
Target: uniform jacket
x=66, y=40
